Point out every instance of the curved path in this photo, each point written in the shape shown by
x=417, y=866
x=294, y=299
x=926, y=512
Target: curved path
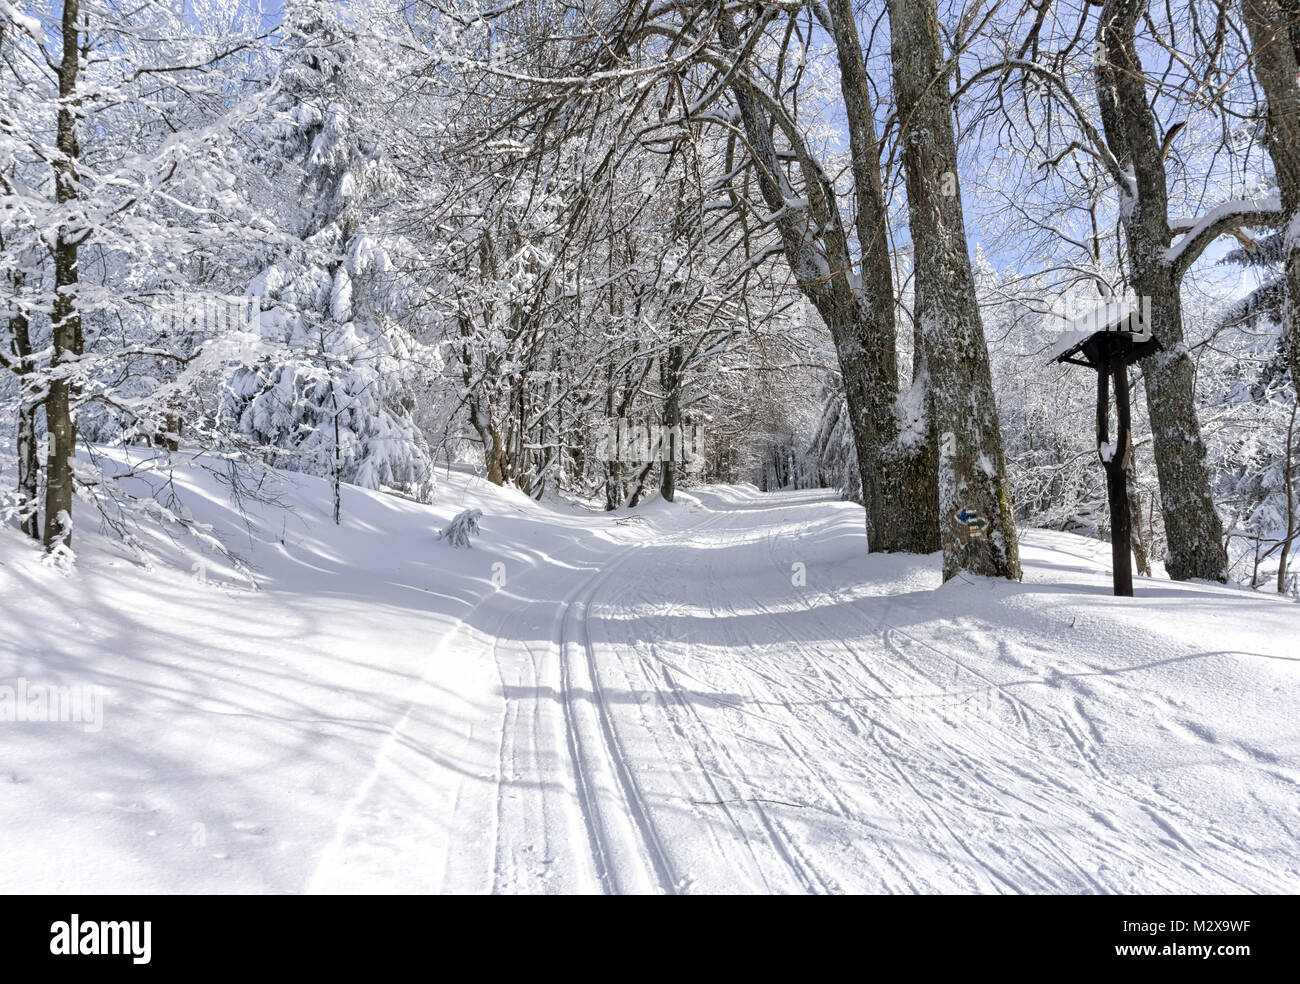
x=737, y=698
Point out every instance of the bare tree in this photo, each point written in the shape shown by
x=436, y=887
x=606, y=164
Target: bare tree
x=897, y=475
x=1157, y=267
x=972, y=472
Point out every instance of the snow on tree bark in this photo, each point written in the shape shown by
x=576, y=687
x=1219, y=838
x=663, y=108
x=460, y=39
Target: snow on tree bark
x=897, y=480
x=66, y=316
x=906, y=471
x=1277, y=68
x=1192, y=525
x=29, y=401
x=972, y=472
x=671, y=379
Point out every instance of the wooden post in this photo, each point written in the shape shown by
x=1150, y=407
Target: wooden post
x=1103, y=401
x=1117, y=483
x=1113, y=363
x=1109, y=353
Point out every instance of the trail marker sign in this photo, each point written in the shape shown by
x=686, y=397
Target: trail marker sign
x=970, y=525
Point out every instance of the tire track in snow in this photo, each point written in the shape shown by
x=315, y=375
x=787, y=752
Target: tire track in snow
x=700, y=744
x=719, y=765
x=591, y=732
x=808, y=751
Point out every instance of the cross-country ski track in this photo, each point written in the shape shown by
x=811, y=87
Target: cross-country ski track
x=723, y=694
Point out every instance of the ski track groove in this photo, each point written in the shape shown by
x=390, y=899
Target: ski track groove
x=868, y=727
x=929, y=802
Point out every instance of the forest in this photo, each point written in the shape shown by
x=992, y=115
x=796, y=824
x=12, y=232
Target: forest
x=838, y=238
x=651, y=447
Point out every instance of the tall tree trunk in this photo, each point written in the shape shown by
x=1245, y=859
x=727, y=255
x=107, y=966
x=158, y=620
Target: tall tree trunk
x=613, y=466
x=489, y=434
x=1192, y=525
x=29, y=401
x=671, y=378
x=29, y=466
x=905, y=497
x=1274, y=27
x=972, y=471
x=338, y=456
x=66, y=317
x=1292, y=530
x=1141, y=548
x=547, y=436
x=816, y=248
x=498, y=464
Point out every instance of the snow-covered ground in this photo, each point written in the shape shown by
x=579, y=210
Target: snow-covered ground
x=726, y=694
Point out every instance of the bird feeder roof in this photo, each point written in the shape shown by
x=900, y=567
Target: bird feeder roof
x=1119, y=328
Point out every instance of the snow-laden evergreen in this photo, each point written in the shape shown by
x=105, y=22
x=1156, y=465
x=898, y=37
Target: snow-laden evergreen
x=333, y=390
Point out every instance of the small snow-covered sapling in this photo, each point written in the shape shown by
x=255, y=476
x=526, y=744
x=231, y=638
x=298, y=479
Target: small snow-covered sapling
x=465, y=523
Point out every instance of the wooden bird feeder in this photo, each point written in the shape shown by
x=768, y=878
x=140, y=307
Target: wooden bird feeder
x=1108, y=341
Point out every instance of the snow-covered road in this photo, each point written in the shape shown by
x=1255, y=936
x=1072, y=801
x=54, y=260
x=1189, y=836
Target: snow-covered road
x=686, y=713
x=727, y=694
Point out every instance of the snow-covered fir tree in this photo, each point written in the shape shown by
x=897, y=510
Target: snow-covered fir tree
x=332, y=391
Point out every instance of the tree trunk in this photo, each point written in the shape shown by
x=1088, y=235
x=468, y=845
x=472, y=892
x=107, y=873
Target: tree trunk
x=1273, y=28
x=1192, y=525
x=638, y=485
x=613, y=466
x=29, y=402
x=498, y=465
x=494, y=451
x=671, y=378
x=1288, y=488
x=896, y=480
x=905, y=478
x=1141, y=548
x=29, y=467
x=338, y=456
x=65, y=318
x=972, y=472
